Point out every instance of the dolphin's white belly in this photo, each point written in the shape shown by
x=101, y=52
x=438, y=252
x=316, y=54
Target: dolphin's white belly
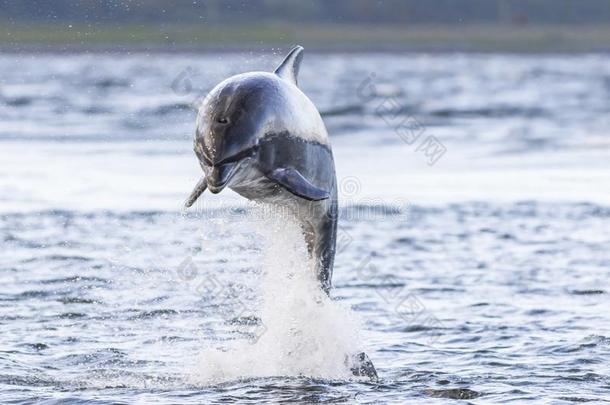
x=252, y=184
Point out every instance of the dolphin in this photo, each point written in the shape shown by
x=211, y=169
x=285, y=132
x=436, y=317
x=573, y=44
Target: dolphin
x=261, y=136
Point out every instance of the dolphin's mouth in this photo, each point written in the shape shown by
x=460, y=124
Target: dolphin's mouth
x=223, y=171
x=220, y=176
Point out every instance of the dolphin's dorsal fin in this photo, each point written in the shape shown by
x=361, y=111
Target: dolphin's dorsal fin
x=289, y=68
x=293, y=181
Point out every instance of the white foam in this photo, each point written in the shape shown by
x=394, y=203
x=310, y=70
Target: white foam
x=305, y=332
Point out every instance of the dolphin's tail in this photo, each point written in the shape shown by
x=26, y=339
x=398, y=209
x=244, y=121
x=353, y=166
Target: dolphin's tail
x=362, y=366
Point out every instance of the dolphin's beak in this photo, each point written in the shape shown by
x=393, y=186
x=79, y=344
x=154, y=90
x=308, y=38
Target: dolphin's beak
x=216, y=181
x=220, y=176
x=197, y=191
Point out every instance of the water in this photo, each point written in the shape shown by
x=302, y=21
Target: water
x=480, y=273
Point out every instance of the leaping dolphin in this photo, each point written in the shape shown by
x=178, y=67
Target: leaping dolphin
x=260, y=135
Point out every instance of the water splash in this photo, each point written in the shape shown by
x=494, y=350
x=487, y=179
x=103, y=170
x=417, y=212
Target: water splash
x=305, y=333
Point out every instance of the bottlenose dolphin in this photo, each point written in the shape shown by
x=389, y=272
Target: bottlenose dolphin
x=260, y=135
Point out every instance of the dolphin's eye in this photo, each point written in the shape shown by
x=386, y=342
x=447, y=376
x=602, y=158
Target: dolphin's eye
x=222, y=120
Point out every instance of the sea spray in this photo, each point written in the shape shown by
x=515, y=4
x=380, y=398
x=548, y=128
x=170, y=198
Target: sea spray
x=302, y=331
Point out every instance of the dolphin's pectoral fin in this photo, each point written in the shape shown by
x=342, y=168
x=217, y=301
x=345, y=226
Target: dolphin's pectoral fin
x=199, y=189
x=289, y=68
x=298, y=185
x=362, y=366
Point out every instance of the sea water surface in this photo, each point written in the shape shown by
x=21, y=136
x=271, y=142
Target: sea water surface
x=473, y=255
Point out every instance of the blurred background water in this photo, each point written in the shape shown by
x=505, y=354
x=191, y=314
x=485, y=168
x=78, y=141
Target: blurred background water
x=473, y=241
